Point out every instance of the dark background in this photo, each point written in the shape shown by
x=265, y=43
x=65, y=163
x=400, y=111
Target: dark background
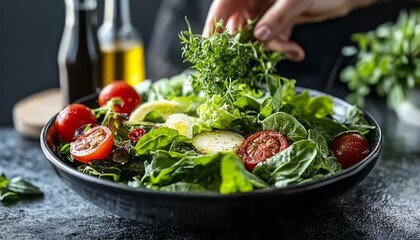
x=30, y=34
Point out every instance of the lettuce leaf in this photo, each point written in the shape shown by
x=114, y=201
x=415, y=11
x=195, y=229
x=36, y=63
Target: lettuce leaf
x=234, y=177
x=160, y=138
x=217, y=115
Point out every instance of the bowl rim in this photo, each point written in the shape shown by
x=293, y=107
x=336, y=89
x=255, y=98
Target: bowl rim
x=315, y=184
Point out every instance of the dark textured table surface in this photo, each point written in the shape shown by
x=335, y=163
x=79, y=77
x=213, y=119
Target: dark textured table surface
x=386, y=205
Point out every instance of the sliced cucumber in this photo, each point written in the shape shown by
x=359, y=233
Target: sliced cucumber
x=217, y=141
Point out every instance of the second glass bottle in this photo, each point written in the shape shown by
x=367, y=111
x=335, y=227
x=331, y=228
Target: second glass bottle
x=121, y=45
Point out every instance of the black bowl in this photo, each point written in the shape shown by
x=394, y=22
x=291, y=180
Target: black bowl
x=211, y=210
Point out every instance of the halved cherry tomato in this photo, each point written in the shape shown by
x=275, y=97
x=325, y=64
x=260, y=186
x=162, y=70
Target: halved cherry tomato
x=95, y=144
x=71, y=118
x=260, y=146
x=349, y=149
x=136, y=134
x=119, y=89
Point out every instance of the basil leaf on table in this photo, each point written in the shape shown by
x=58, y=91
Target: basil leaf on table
x=12, y=190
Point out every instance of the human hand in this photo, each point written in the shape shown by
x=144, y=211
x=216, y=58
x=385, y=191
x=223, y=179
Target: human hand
x=278, y=19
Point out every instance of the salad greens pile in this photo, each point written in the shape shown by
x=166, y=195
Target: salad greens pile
x=232, y=86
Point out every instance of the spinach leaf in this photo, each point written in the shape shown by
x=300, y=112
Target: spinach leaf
x=222, y=172
x=203, y=170
x=281, y=95
x=247, y=103
x=356, y=121
x=318, y=106
x=247, y=125
x=327, y=127
x=286, y=124
x=161, y=159
x=114, y=171
x=288, y=166
x=167, y=89
x=182, y=147
x=234, y=177
x=266, y=108
x=325, y=164
x=160, y=138
x=189, y=104
x=257, y=182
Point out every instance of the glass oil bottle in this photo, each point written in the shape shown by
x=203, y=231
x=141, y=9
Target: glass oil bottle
x=121, y=45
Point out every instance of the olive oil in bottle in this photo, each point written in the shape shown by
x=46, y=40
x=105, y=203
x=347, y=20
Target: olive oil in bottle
x=120, y=45
x=123, y=62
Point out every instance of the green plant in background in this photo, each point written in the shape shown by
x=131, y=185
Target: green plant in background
x=388, y=59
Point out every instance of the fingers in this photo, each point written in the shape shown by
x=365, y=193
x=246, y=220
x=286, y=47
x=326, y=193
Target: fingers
x=235, y=22
x=278, y=16
x=291, y=50
x=281, y=43
x=274, y=28
x=219, y=9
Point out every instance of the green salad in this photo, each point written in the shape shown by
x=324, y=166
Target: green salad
x=229, y=124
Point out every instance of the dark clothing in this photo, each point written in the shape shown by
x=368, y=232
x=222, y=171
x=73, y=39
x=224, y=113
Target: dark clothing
x=164, y=55
x=322, y=42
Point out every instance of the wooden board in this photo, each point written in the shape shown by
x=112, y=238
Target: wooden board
x=33, y=112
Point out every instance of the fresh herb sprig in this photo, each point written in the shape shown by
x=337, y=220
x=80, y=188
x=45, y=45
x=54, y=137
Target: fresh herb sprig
x=12, y=190
x=225, y=63
x=388, y=59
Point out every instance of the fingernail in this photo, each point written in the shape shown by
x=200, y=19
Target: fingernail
x=295, y=56
x=263, y=33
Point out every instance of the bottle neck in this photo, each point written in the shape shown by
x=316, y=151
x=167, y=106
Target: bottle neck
x=80, y=10
x=117, y=13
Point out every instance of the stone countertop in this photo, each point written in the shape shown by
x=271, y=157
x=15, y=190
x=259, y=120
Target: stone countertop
x=386, y=205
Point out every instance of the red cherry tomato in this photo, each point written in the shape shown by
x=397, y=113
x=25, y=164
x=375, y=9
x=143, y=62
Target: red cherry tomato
x=349, y=149
x=71, y=118
x=119, y=89
x=95, y=144
x=136, y=134
x=260, y=146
